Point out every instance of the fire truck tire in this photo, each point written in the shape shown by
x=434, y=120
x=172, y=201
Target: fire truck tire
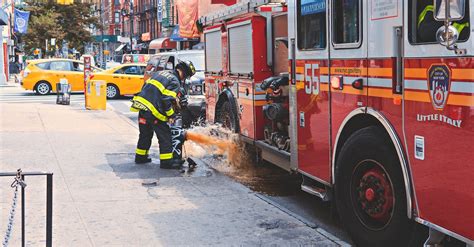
x=227, y=116
x=370, y=192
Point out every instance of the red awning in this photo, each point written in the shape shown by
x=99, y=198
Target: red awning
x=162, y=43
x=226, y=2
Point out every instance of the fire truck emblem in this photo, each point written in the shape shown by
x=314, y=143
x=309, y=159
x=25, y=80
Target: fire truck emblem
x=439, y=83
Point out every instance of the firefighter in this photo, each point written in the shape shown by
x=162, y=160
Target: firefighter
x=427, y=25
x=157, y=106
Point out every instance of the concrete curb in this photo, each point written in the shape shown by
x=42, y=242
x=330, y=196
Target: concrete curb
x=121, y=115
x=304, y=221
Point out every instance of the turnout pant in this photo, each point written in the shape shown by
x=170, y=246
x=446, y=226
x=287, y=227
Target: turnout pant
x=147, y=125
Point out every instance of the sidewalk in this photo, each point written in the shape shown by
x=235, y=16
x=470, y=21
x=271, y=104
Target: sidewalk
x=99, y=199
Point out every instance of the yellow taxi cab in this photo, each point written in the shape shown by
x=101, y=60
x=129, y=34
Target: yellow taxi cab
x=124, y=79
x=41, y=75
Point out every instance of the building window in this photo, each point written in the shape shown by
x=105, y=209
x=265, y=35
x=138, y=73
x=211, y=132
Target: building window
x=117, y=17
x=346, y=22
x=311, y=30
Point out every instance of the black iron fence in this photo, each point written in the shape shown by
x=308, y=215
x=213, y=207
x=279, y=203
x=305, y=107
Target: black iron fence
x=21, y=182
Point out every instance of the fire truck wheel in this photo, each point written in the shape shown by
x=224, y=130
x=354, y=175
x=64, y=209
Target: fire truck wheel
x=227, y=116
x=42, y=88
x=370, y=192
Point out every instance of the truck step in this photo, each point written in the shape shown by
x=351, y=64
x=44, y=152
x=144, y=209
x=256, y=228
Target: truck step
x=314, y=188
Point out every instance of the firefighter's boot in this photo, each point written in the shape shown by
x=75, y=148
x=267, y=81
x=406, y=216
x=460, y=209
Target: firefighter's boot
x=171, y=164
x=142, y=159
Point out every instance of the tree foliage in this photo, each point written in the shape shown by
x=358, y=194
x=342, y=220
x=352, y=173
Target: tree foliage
x=62, y=22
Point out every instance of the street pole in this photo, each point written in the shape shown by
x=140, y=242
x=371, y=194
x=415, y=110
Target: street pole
x=131, y=26
x=101, y=49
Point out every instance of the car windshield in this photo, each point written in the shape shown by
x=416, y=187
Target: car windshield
x=196, y=59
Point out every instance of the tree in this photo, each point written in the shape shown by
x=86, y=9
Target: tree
x=71, y=23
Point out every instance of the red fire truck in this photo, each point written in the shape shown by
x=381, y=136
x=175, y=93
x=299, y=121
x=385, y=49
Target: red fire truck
x=371, y=101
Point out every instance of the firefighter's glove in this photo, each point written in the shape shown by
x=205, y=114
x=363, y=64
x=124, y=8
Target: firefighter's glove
x=183, y=101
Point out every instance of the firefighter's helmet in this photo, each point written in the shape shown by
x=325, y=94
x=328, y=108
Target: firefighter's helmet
x=187, y=68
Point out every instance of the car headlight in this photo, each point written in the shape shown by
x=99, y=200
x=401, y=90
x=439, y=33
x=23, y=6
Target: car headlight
x=196, y=89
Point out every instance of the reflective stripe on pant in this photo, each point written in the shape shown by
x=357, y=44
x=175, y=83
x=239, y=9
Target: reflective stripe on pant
x=147, y=125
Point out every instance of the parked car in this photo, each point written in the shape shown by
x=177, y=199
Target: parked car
x=42, y=75
x=125, y=79
x=111, y=64
x=194, y=86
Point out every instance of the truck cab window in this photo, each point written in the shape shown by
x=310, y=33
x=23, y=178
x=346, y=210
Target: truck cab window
x=346, y=21
x=422, y=25
x=311, y=30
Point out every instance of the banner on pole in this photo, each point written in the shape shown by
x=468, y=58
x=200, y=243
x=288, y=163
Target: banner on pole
x=159, y=11
x=187, y=16
x=21, y=21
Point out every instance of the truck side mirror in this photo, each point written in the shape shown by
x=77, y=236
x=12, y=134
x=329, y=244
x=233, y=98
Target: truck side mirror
x=454, y=9
x=448, y=35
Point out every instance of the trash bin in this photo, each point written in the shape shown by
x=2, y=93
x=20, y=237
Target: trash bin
x=63, y=89
x=96, y=95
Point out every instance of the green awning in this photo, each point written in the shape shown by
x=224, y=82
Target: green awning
x=105, y=38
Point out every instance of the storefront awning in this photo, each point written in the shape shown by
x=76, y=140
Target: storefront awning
x=105, y=38
x=120, y=47
x=162, y=43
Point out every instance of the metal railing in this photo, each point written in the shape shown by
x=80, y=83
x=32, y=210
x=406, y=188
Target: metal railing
x=49, y=201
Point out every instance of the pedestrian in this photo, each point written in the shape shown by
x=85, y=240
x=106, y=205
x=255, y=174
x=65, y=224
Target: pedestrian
x=157, y=104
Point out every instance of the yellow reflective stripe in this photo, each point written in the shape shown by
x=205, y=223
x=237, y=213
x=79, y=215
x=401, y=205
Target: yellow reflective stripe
x=160, y=87
x=134, y=109
x=141, y=151
x=460, y=27
x=422, y=15
x=166, y=156
x=150, y=107
x=170, y=112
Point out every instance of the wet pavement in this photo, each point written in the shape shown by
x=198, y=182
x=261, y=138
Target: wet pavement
x=273, y=185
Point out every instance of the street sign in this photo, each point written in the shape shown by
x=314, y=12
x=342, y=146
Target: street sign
x=87, y=74
x=165, y=13
x=53, y=41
